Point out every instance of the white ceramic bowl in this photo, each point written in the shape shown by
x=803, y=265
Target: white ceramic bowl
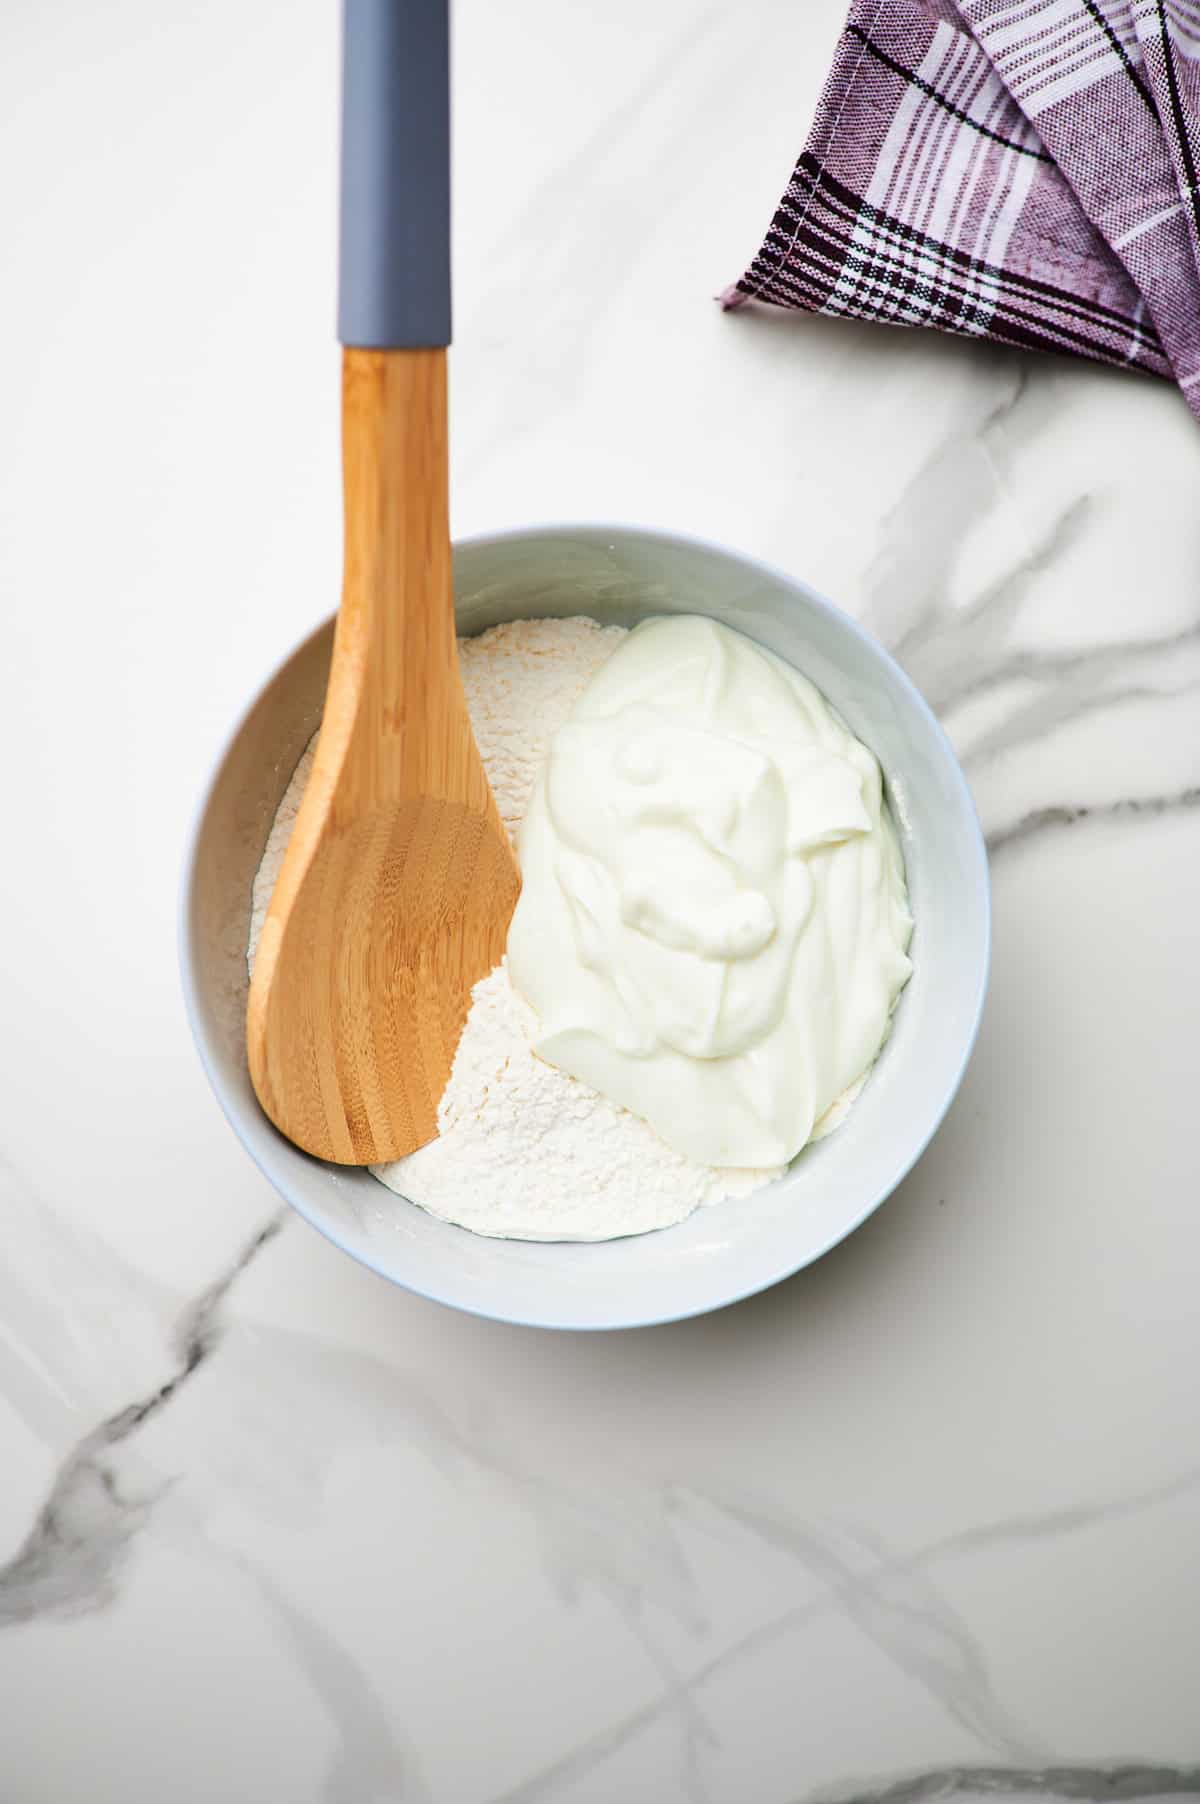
x=719, y=1254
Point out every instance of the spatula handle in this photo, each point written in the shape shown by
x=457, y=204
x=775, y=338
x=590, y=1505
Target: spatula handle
x=394, y=288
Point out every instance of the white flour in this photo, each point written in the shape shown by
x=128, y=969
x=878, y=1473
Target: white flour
x=524, y=1151
x=528, y=1153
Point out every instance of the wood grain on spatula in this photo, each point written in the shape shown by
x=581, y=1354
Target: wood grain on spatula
x=399, y=882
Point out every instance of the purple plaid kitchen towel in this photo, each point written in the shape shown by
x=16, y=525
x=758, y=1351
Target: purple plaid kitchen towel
x=1020, y=170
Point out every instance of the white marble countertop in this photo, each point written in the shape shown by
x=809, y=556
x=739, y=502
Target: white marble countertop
x=922, y=1522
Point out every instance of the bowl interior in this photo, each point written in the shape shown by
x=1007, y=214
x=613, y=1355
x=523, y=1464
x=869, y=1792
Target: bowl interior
x=733, y=1248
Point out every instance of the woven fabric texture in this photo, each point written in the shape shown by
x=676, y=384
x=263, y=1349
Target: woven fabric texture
x=1020, y=172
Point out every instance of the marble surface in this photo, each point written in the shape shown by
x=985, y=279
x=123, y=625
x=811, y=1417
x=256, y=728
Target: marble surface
x=921, y=1523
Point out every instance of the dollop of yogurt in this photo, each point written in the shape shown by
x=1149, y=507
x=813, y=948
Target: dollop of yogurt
x=713, y=924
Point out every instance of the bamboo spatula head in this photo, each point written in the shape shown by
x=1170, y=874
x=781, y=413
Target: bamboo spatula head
x=399, y=880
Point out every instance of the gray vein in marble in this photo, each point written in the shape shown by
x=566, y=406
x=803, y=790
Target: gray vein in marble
x=199, y=1330
x=70, y=1558
x=1070, y=814
x=1105, y=1783
x=607, y=1541
x=369, y=1766
x=907, y=584
x=594, y=198
x=679, y=1698
x=956, y=653
x=1055, y=1523
x=1107, y=658
x=585, y=1540
x=940, y=648
x=899, y=1639
x=1068, y=684
x=1009, y=1532
x=591, y=1543
x=1053, y=708
x=595, y=1749
x=902, y=1613
x=79, y=1328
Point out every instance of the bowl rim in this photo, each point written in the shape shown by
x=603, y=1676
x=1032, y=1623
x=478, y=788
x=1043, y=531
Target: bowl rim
x=234, y=1112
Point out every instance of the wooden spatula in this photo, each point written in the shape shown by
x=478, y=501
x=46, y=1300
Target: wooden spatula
x=399, y=881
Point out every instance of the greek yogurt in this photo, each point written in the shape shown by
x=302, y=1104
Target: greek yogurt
x=713, y=927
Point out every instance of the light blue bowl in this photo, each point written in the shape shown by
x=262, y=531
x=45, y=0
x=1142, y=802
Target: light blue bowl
x=719, y=1254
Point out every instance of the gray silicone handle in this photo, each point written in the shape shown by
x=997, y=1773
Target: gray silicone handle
x=394, y=279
